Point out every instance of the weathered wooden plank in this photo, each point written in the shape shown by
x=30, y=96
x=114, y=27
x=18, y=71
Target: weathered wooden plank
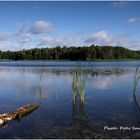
x=17, y=114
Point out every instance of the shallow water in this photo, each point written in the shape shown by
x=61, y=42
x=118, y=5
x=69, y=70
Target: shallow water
x=108, y=99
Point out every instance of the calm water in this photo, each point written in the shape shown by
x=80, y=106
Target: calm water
x=108, y=99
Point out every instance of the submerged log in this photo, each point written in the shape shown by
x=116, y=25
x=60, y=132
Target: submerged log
x=17, y=114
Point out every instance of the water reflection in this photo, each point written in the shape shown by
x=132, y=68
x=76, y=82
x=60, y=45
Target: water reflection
x=103, y=82
x=39, y=85
x=73, y=104
x=93, y=71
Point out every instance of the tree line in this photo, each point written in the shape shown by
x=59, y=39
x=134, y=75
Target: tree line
x=72, y=53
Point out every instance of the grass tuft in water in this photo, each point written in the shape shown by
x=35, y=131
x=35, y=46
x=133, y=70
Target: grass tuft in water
x=135, y=82
x=78, y=90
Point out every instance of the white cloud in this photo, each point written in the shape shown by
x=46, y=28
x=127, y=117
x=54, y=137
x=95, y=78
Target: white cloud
x=8, y=45
x=104, y=38
x=134, y=44
x=41, y=26
x=5, y=36
x=132, y=20
x=38, y=35
x=71, y=39
x=120, y=4
x=24, y=35
x=120, y=40
x=101, y=37
x=48, y=41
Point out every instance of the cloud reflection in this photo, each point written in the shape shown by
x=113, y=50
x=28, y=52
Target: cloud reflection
x=103, y=83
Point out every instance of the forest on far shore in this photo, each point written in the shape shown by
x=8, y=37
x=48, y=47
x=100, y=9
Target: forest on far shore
x=84, y=53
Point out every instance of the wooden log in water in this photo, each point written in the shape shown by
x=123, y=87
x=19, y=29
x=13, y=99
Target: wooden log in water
x=17, y=114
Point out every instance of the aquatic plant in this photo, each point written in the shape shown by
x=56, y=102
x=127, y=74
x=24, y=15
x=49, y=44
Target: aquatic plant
x=78, y=85
x=78, y=90
x=135, y=82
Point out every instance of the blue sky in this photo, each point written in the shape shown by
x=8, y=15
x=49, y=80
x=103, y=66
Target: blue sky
x=26, y=25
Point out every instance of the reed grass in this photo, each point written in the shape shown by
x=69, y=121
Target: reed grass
x=135, y=82
x=78, y=91
x=78, y=85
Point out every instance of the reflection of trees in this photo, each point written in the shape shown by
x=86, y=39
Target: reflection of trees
x=71, y=70
x=31, y=84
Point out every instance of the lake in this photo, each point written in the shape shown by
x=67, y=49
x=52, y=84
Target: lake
x=108, y=99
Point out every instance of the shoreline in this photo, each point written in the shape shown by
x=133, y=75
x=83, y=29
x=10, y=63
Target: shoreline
x=66, y=60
